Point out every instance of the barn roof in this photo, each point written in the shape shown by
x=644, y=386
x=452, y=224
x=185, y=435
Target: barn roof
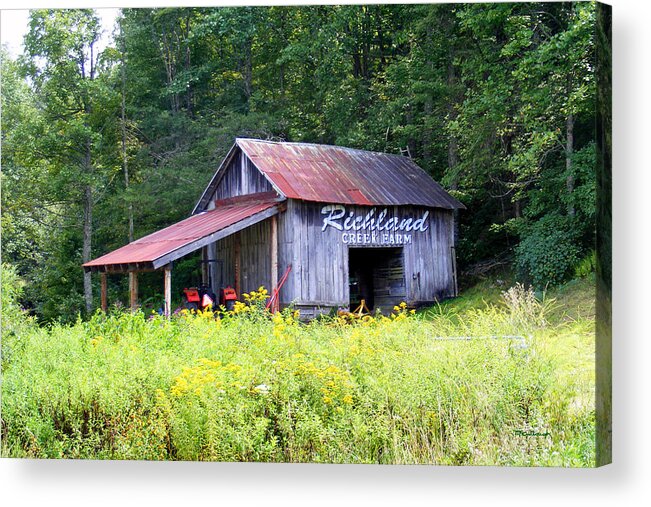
x=164, y=246
x=334, y=174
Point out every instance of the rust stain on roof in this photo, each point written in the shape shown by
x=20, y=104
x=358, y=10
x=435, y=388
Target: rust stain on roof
x=322, y=173
x=161, y=243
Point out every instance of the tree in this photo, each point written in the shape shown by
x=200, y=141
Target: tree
x=495, y=101
x=25, y=214
x=63, y=65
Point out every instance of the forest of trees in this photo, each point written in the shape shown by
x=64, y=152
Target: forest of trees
x=495, y=101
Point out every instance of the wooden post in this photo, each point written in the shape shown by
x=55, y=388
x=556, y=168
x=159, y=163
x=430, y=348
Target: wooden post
x=205, y=265
x=168, y=290
x=274, y=260
x=236, y=255
x=133, y=290
x=454, y=270
x=103, y=296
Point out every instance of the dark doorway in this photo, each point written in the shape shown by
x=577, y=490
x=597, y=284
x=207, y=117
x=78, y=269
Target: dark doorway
x=377, y=276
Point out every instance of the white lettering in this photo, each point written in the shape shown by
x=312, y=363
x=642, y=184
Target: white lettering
x=335, y=212
x=370, y=228
x=405, y=225
x=380, y=219
x=392, y=223
x=347, y=223
x=368, y=221
x=421, y=224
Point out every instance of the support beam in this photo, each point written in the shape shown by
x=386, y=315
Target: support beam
x=205, y=265
x=215, y=271
x=133, y=290
x=274, y=260
x=103, y=291
x=168, y=290
x=454, y=270
x=236, y=254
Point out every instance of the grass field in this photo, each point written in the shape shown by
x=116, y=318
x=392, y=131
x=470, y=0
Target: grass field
x=491, y=378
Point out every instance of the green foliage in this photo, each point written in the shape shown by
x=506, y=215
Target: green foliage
x=549, y=250
x=586, y=266
x=249, y=387
x=483, y=95
x=15, y=324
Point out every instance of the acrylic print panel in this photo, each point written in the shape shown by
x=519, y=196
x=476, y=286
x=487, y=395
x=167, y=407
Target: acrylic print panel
x=344, y=234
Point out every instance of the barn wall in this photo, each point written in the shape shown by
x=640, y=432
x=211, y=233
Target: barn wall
x=320, y=257
x=319, y=273
x=240, y=177
x=255, y=258
x=429, y=261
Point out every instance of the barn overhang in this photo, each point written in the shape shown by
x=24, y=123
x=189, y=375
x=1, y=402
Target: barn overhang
x=163, y=247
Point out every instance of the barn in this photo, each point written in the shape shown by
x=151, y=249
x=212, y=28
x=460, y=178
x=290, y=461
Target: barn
x=335, y=225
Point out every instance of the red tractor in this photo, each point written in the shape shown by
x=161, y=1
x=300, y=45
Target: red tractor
x=227, y=298
x=203, y=297
x=199, y=298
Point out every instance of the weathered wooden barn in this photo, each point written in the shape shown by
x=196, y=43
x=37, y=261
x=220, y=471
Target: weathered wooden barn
x=344, y=224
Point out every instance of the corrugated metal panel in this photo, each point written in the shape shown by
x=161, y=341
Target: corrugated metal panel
x=322, y=173
x=161, y=243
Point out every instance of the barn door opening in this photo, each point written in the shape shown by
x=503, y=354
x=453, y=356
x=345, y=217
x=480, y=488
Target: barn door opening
x=376, y=275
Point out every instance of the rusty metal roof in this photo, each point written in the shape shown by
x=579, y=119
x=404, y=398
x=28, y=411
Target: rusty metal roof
x=186, y=236
x=322, y=173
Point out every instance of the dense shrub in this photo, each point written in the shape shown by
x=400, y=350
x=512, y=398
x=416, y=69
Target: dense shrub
x=549, y=250
x=15, y=323
x=586, y=266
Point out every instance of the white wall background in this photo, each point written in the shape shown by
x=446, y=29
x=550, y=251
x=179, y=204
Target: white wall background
x=626, y=482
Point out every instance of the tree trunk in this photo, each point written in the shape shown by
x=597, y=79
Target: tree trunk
x=569, y=150
x=86, y=248
x=453, y=161
x=380, y=36
x=281, y=68
x=428, y=106
x=125, y=167
x=170, y=70
x=247, y=68
x=188, y=66
x=453, y=146
x=366, y=44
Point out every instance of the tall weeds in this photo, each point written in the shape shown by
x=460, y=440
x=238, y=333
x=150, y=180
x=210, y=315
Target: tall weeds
x=251, y=387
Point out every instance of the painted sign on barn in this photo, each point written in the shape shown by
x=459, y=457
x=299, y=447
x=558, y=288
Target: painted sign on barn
x=372, y=227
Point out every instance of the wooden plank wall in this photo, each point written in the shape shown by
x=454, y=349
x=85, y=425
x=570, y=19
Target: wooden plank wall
x=241, y=177
x=255, y=258
x=320, y=259
x=428, y=261
x=288, y=245
x=319, y=264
